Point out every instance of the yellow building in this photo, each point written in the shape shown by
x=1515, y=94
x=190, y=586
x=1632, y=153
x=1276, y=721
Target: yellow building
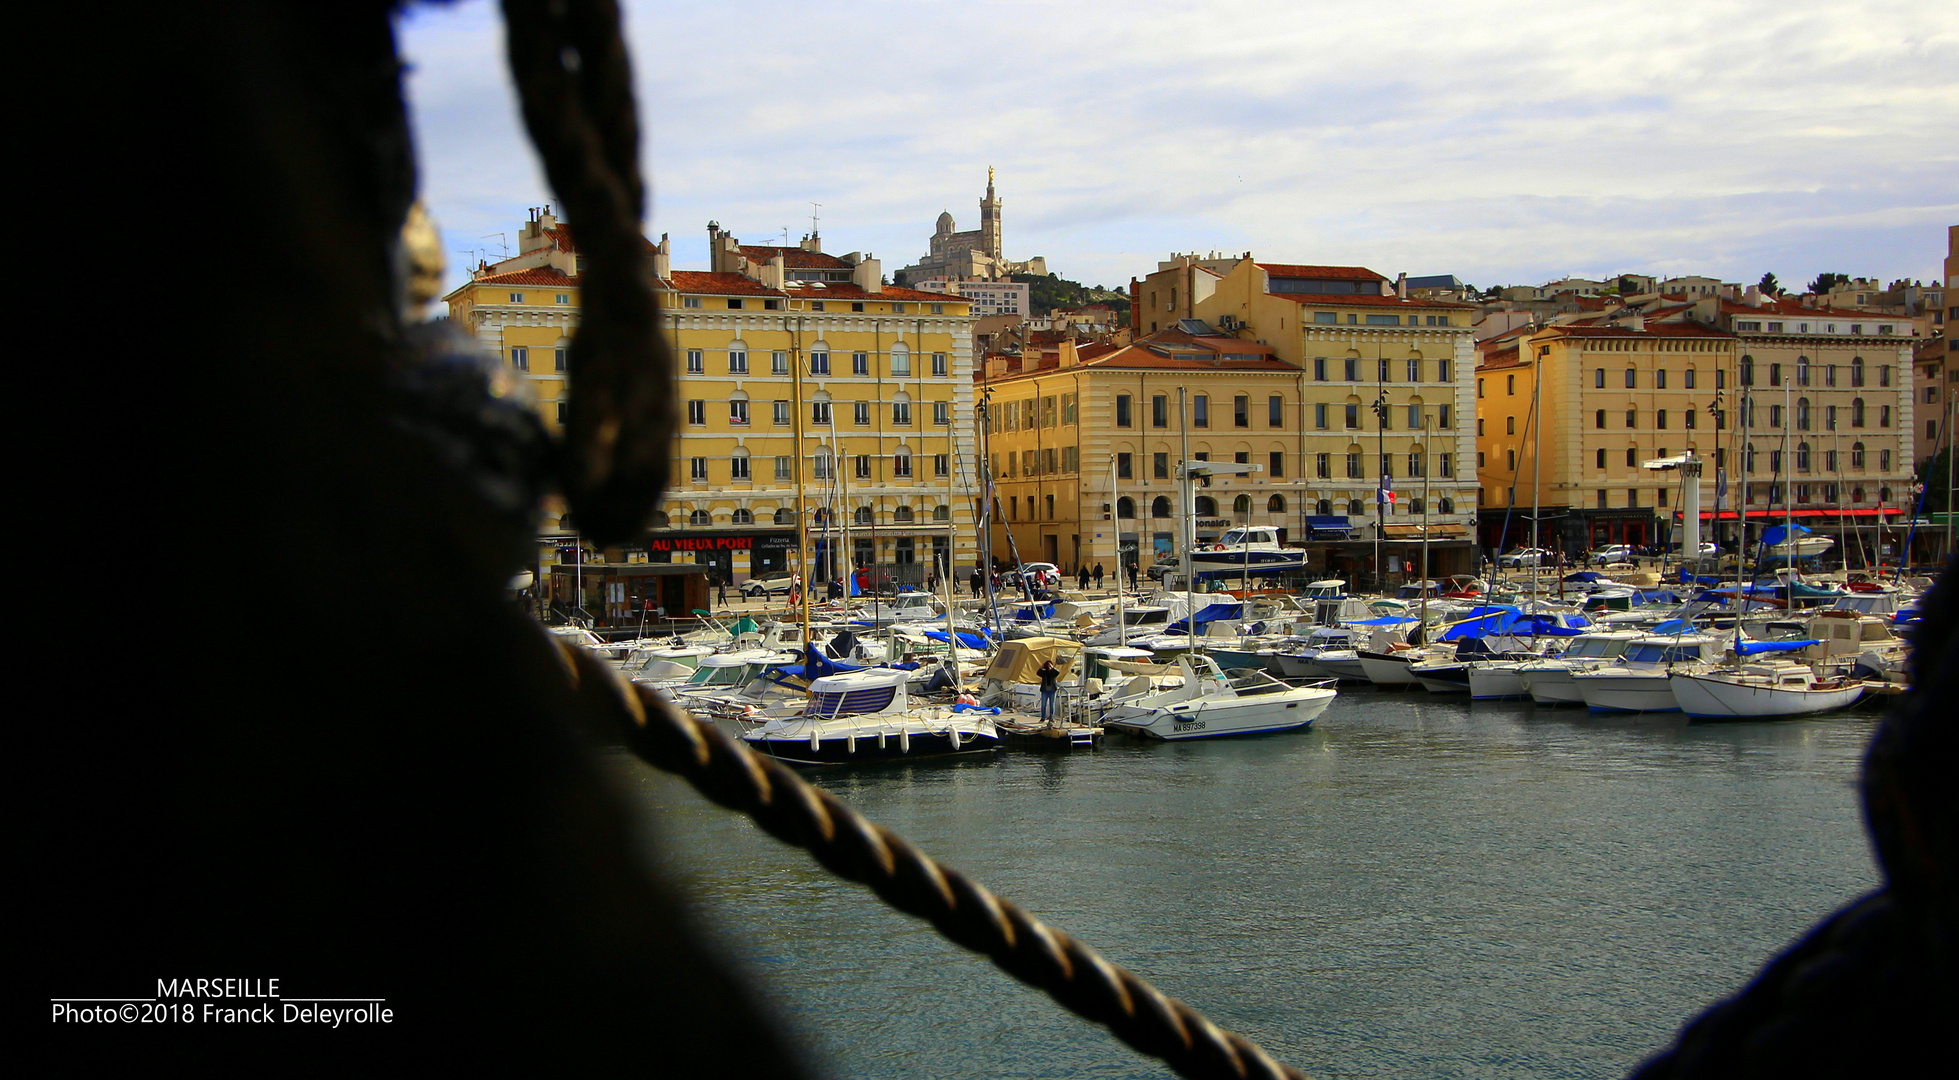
x=787, y=354
x=1084, y=441
x=1384, y=394
x=1822, y=403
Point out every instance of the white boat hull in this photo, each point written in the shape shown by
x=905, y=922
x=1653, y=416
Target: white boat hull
x=1209, y=718
x=1340, y=664
x=1494, y=682
x=1623, y=692
x=1712, y=697
x=1551, y=686
x=1387, y=672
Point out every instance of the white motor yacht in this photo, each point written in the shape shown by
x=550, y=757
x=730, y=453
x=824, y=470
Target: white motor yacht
x=1255, y=551
x=1640, y=681
x=867, y=716
x=1548, y=681
x=1208, y=704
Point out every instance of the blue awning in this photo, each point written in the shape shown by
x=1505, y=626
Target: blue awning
x=1756, y=648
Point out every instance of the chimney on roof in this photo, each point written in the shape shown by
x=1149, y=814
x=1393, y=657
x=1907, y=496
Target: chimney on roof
x=1401, y=285
x=812, y=242
x=662, y=262
x=1752, y=297
x=1637, y=324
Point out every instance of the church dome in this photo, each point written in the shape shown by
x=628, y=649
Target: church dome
x=945, y=223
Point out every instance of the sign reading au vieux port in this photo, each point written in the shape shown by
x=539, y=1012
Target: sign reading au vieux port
x=768, y=541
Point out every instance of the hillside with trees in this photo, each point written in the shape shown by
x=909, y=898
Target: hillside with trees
x=1047, y=292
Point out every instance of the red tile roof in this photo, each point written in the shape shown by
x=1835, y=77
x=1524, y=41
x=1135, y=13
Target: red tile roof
x=701, y=281
x=561, y=238
x=793, y=258
x=1328, y=300
x=1655, y=329
x=1323, y=273
x=537, y=275
x=1500, y=358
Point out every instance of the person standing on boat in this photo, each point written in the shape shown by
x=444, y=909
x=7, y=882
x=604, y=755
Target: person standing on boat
x=1050, y=686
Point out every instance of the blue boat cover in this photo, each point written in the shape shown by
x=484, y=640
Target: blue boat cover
x=989, y=710
x=1674, y=626
x=1655, y=596
x=1756, y=648
x=1583, y=577
x=971, y=641
x=1385, y=620
x=1515, y=623
x=1688, y=577
x=1776, y=534
x=1208, y=614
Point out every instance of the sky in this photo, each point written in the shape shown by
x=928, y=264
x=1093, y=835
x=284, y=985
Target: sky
x=1504, y=143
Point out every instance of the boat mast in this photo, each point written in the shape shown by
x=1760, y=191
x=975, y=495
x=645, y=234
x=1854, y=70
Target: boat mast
x=1788, y=486
x=1424, y=585
x=842, y=485
x=1115, y=496
x=951, y=544
x=1536, y=427
x=1187, y=503
x=796, y=435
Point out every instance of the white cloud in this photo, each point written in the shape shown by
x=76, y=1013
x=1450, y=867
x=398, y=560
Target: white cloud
x=1501, y=142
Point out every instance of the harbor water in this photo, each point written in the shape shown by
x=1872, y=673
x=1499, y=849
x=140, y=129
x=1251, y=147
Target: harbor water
x=1412, y=888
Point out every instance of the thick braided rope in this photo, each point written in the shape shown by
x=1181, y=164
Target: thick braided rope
x=574, y=81
x=855, y=848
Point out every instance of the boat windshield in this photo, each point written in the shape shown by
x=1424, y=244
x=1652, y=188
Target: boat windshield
x=1235, y=536
x=1588, y=648
x=717, y=676
x=1145, y=616
x=852, y=702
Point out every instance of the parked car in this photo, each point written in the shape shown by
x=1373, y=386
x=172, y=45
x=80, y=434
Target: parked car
x=1162, y=567
x=1527, y=557
x=1610, y=553
x=768, y=585
x=1707, y=548
x=1038, y=574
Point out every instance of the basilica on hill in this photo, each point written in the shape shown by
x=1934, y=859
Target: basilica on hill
x=974, y=255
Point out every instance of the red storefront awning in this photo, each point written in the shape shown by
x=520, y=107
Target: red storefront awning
x=1776, y=515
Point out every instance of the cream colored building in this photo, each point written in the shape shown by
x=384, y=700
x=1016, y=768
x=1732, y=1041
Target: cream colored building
x=795, y=365
x=1800, y=409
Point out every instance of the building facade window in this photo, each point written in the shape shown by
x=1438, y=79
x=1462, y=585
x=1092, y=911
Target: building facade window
x=1275, y=411
x=1200, y=411
x=520, y=358
x=1160, y=411
x=737, y=361
x=1123, y=418
x=697, y=412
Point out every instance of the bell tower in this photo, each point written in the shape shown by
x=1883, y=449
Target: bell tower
x=990, y=221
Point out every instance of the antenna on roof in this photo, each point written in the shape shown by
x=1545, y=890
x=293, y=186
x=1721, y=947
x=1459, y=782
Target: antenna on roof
x=812, y=218
x=502, y=242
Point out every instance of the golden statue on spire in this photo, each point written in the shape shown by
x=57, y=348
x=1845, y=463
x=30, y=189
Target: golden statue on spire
x=989, y=176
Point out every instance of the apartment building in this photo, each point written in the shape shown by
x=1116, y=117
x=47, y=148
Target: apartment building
x=798, y=370
x=1795, y=408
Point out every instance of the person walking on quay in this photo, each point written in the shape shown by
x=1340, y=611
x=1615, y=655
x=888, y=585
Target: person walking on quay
x=1082, y=577
x=721, y=590
x=1132, y=577
x=1050, y=685
x=1098, y=575
x=977, y=582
